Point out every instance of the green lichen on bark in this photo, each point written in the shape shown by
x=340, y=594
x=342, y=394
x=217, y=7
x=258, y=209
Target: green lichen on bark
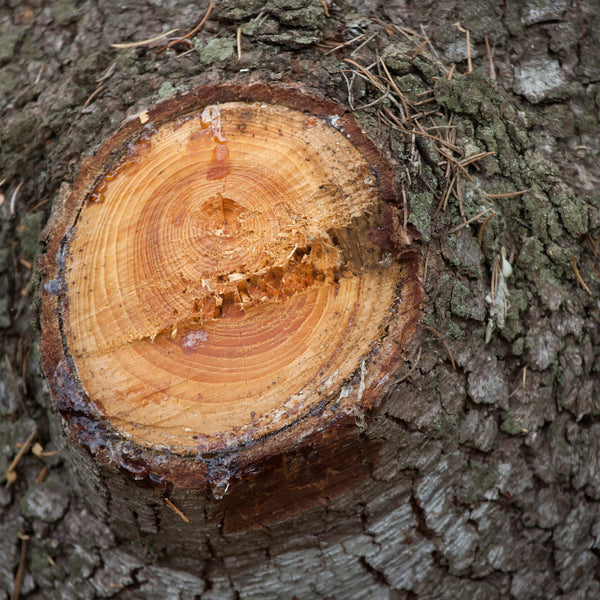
x=556, y=219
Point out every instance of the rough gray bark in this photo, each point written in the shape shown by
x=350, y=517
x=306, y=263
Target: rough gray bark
x=486, y=482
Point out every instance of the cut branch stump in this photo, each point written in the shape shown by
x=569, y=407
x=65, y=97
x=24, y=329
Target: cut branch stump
x=229, y=287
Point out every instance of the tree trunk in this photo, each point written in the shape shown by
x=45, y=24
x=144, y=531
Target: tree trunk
x=455, y=458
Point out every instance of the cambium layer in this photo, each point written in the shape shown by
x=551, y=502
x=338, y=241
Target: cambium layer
x=231, y=268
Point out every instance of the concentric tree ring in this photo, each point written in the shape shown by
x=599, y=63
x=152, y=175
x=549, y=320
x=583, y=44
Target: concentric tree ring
x=225, y=276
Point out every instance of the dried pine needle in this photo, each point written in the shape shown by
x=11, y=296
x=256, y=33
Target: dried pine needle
x=42, y=474
x=468, y=42
x=178, y=512
x=579, y=278
x=490, y=59
x=13, y=198
x=397, y=90
x=475, y=157
x=366, y=73
x=238, y=40
x=441, y=338
x=483, y=226
x=471, y=220
x=194, y=31
x=11, y=474
x=147, y=42
x=16, y=592
x=418, y=50
x=412, y=369
x=90, y=98
x=507, y=194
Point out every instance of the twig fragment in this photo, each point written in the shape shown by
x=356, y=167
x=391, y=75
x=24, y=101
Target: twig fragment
x=38, y=450
x=325, y=8
x=238, y=39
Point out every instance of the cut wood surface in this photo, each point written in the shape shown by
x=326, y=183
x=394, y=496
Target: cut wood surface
x=478, y=476
x=224, y=273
